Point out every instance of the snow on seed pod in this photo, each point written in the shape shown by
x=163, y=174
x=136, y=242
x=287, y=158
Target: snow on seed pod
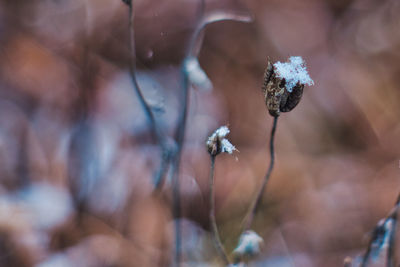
x=283, y=85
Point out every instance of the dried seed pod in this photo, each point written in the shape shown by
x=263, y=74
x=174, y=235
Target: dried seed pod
x=217, y=142
x=274, y=91
x=283, y=85
x=293, y=98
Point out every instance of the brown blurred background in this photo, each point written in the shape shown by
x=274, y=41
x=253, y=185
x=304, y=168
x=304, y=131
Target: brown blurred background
x=77, y=155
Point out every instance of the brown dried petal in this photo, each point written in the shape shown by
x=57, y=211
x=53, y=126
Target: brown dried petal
x=214, y=146
x=267, y=76
x=274, y=89
x=293, y=98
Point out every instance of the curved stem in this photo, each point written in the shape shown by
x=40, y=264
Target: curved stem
x=179, y=137
x=176, y=202
x=213, y=222
x=256, y=202
x=145, y=106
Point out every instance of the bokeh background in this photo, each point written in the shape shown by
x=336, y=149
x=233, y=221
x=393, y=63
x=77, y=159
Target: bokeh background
x=77, y=156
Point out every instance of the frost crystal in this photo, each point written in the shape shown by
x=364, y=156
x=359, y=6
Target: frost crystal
x=249, y=244
x=227, y=146
x=217, y=142
x=293, y=72
x=222, y=132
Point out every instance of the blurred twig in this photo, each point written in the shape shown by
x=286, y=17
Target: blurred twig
x=161, y=140
x=192, y=51
x=167, y=156
x=391, y=250
x=179, y=138
x=257, y=199
x=378, y=237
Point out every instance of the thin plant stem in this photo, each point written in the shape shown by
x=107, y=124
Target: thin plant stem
x=169, y=157
x=392, y=237
x=390, y=262
x=145, y=106
x=176, y=207
x=192, y=51
x=177, y=214
x=163, y=170
x=256, y=201
x=213, y=222
x=179, y=137
x=367, y=254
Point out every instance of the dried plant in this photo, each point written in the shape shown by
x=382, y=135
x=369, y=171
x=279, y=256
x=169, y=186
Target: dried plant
x=283, y=87
x=166, y=148
x=93, y=173
x=383, y=239
x=191, y=74
x=216, y=144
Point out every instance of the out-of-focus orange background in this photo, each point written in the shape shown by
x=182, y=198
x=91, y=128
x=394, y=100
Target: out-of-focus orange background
x=77, y=156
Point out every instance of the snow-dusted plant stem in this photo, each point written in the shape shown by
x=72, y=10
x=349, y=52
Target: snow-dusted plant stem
x=216, y=144
x=191, y=74
x=283, y=89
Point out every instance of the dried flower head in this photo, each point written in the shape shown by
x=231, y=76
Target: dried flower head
x=249, y=245
x=217, y=142
x=284, y=84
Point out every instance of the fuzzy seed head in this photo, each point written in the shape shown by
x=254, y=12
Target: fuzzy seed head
x=217, y=142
